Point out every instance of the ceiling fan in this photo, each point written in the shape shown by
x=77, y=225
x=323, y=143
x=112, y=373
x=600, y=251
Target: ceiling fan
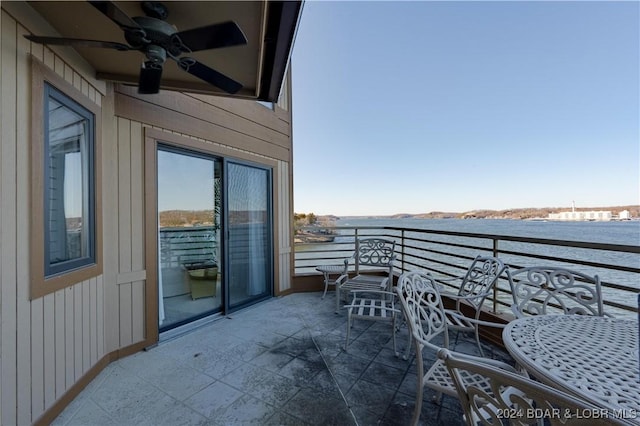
x=159, y=40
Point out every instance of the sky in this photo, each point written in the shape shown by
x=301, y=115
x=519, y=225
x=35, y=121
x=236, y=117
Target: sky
x=414, y=107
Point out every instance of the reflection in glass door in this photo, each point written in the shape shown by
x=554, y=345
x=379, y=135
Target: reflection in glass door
x=189, y=205
x=249, y=234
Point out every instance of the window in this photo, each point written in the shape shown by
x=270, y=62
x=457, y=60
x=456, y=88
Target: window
x=65, y=211
x=68, y=175
x=266, y=104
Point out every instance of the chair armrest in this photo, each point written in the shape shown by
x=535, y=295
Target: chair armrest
x=459, y=298
x=341, y=279
x=468, y=298
x=446, y=289
x=459, y=317
x=489, y=361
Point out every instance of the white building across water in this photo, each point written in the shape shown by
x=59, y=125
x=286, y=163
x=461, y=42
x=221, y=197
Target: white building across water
x=593, y=215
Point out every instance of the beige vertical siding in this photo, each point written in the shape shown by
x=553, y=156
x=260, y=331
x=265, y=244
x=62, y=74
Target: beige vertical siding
x=124, y=229
x=110, y=224
x=129, y=213
x=49, y=343
x=284, y=227
x=8, y=293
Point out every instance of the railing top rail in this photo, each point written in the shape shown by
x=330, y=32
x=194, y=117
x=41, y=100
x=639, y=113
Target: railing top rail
x=195, y=228
x=564, y=243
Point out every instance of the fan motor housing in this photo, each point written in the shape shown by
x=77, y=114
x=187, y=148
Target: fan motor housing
x=156, y=32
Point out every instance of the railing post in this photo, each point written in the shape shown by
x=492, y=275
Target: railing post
x=622, y=281
x=495, y=287
x=402, y=251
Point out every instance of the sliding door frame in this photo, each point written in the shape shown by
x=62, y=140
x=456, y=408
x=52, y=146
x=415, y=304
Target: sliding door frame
x=192, y=154
x=226, y=232
x=154, y=137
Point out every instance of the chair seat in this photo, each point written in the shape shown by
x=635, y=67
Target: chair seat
x=439, y=379
x=526, y=401
x=365, y=282
x=359, y=283
x=381, y=308
x=373, y=309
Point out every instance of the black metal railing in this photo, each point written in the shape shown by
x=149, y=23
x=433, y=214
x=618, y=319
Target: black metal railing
x=182, y=245
x=448, y=253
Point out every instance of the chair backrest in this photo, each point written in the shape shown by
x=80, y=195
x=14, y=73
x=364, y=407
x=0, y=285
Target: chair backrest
x=423, y=307
x=376, y=252
x=512, y=396
x=539, y=290
x=481, y=277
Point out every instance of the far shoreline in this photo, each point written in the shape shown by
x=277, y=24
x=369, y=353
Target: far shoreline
x=539, y=214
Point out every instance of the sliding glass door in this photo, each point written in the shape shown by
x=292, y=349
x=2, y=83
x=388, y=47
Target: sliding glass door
x=249, y=234
x=214, y=235
x=189, y=206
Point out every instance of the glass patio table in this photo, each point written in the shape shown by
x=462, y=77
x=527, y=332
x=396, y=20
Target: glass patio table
x=594, y=358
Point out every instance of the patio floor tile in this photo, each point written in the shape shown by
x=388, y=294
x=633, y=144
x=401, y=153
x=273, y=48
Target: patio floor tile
x=280, y=362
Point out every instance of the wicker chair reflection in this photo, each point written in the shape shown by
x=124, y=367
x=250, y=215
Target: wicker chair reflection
x=513, y=399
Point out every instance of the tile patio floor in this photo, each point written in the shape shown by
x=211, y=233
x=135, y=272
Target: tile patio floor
x=280, y=362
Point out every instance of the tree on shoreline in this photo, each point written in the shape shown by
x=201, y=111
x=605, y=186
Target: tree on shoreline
x=303, y=220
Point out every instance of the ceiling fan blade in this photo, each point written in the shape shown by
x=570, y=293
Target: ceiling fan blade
x=212, y=36
x=209, y=75
x=150, y=76
x=76, y=42
x=111, y=11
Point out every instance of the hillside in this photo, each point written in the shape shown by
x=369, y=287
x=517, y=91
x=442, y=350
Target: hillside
x=523, y=213
x=205, y=217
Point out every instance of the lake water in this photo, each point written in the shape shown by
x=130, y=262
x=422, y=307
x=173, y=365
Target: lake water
x=614, y=232
x=618, y=232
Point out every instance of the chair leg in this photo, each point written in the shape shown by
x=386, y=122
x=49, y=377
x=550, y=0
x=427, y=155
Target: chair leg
x=418, y=408
x=393, y=335
x=337, y=298
x=326, y=285
x=478, y=342
x=407, y=351
x=348, y=330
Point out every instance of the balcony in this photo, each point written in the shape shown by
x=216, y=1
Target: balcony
x=282, y=361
